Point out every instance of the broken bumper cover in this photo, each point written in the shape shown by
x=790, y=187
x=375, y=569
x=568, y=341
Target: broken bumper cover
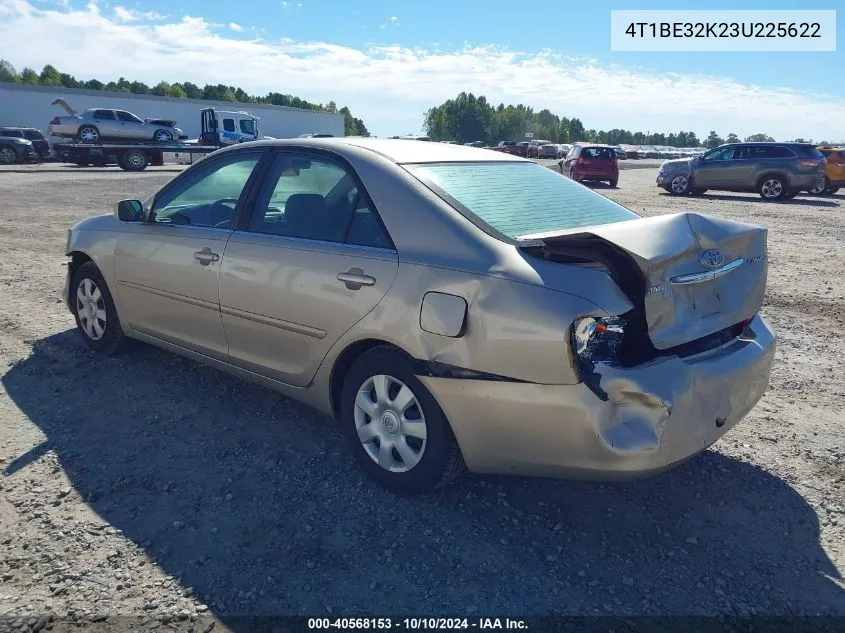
x=656, y=416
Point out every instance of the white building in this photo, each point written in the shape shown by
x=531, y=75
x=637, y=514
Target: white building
x=30, y=106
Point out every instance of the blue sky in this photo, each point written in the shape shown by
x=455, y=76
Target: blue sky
x=391, y=60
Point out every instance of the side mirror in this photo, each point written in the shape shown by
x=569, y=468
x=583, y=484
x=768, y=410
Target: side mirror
x=129, y=211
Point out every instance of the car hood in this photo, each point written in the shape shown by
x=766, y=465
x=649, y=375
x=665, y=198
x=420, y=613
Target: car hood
x=164, y=122
x=687, y=275
x=676, y=163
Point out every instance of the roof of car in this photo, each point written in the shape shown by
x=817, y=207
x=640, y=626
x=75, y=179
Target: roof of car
x=405, y=151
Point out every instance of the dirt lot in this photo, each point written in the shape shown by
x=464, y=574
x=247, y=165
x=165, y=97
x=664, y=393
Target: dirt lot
x=148, y=485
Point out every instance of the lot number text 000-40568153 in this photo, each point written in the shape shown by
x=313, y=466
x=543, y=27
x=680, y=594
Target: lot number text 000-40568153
x=760, y=30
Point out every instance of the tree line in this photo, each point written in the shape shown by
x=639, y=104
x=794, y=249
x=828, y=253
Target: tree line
x=468, y=118
x=50, y=76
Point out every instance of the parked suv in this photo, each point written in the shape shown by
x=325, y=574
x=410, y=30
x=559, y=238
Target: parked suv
x=774, y=170
x=39, y=141
x=834, y=171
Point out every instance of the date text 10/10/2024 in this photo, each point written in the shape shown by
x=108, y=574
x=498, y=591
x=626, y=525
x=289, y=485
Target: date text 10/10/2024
x=411, y=624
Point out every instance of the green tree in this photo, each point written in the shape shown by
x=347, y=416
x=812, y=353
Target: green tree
x=192, y=91
x=50, y=76
x=732, y=138
x=759, y=138
x=29, y=76
x=160, y=89
x=577, y=131
x=713, y=140
x=8, y=72
x=175, y=90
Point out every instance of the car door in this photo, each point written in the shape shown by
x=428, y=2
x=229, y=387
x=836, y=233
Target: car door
x=168, y=267
x=713, y=169
x=106, y=123
x=131, y=127
x=311, y=261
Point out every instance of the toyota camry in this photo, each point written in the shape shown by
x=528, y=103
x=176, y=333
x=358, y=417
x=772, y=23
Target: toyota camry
x=455, y=309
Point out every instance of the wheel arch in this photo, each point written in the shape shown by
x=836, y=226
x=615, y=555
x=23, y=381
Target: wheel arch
x=769, y=174
x=344, y=361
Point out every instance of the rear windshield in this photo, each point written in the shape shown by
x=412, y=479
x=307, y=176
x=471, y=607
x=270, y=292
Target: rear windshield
x=33, y=135
x=519, y=199
x=601, y=153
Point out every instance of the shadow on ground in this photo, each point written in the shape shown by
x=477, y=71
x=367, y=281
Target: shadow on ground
x=252, y=500
x=800, y=200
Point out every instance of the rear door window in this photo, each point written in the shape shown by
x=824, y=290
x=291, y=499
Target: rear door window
x=772, y=151
x=104, y=114
x=229, y=125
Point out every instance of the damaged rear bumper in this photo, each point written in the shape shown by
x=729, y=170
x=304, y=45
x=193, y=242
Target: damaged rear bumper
x=657, y=415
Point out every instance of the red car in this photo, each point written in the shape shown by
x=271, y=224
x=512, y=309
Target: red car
x=509, y=147
x=591, y=162
x=534, y=148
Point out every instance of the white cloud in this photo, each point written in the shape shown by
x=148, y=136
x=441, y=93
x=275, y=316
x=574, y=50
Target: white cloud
x=394, y=19
x=123, y=15
x=390, y=86
x=237, y=28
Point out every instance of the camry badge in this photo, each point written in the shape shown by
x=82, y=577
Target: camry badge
x=712, y=258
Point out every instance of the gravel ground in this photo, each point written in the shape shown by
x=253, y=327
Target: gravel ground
x=148, y=485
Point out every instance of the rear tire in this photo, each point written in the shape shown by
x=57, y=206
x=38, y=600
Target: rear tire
x=699, y=192
x=397, y=432
x=95, y=312
x=133, y=160
x=832, y=190
x=772, y=188
x=821, y=189
x=572, y=174
x=88, y=134
x=612, y=183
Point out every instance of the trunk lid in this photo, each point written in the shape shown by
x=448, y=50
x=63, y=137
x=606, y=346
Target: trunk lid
x=688, y=275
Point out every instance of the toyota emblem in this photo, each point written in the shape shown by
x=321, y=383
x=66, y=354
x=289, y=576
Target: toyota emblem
x=712, y=258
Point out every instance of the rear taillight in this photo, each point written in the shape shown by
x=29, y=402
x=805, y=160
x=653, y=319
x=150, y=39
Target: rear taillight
x=597, y=340
x=55, y=121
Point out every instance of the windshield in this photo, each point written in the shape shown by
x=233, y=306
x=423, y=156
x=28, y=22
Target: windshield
x=519, y=199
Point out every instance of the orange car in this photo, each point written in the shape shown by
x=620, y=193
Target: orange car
x=834, y=171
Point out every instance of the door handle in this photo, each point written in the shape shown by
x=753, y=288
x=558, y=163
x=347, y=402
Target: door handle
x=206, y=256
x=354, y=278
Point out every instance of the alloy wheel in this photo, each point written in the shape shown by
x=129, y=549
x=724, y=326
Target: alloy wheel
x=390, y=423
x=772, y=188
x=679, y=184
x=89, y=135
x=163, y=136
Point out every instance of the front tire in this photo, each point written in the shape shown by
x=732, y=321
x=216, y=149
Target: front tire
x=680, y=185
x=95, y=312
x=772, y=188
x=162, y=136
x=831, y=190
x=8, y=156
x=397, y=432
